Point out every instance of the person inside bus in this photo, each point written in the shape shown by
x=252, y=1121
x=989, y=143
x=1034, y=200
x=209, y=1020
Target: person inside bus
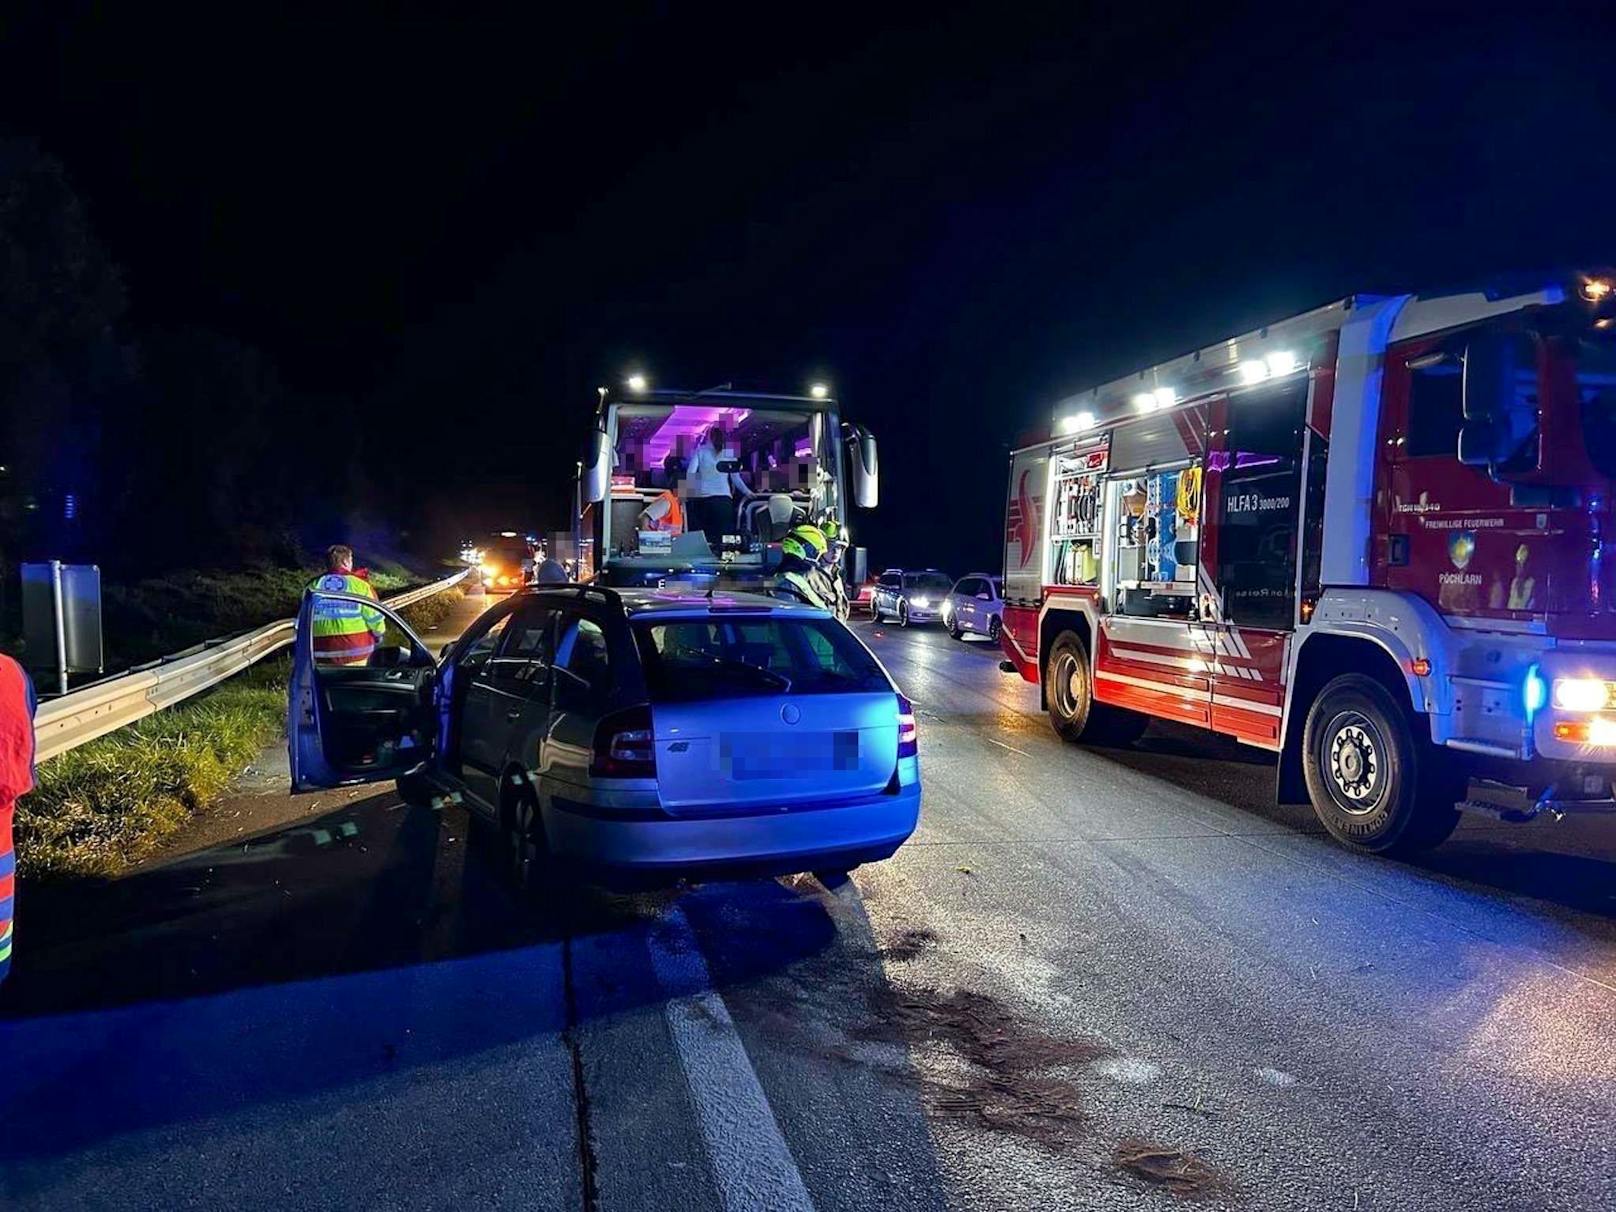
x=711, y=507
x=665, y=511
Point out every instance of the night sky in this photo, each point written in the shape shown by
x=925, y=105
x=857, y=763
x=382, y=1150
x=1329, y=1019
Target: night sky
x=955, y=219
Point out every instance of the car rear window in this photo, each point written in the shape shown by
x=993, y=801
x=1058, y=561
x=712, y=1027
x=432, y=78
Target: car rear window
x=688, y=659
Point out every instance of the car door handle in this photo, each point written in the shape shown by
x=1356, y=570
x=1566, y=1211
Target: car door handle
x=513, y=713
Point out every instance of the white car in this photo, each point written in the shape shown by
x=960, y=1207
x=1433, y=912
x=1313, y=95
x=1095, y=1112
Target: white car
x=974, y=605
x=912, y=596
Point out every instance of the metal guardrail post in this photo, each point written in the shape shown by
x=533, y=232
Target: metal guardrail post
x=92, y=711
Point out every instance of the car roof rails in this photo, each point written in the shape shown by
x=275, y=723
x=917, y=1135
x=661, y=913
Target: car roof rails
x=581, y=590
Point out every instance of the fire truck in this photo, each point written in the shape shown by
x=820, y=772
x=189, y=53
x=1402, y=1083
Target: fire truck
x=1370, y=538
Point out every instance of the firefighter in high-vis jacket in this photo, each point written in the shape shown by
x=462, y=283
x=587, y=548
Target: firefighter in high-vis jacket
x=16, y=780
x=800, y=578
x=832, y=568
x=345, y=633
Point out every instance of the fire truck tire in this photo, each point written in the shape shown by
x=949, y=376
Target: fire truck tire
x=1072, y=709
x=1376, y=785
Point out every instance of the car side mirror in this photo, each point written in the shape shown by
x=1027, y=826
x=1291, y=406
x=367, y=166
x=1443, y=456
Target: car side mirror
x=598, y=466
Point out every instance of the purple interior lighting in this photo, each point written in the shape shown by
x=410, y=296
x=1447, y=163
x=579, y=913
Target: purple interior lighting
x=689, y=421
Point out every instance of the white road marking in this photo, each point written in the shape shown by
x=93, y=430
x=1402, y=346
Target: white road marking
x=1274, y=1077
x=1129, y=1070
x=1002, y=745
x=748, y=1155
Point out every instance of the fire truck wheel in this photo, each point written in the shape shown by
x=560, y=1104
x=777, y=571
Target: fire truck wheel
x=1376, y=785
x=1072, y=709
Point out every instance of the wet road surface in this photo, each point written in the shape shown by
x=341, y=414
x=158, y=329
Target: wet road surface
x=1094, y=978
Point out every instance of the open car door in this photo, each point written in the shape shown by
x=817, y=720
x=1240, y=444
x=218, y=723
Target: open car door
x=358, y=723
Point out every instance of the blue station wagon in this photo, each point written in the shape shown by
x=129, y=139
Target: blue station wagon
x=610, y=733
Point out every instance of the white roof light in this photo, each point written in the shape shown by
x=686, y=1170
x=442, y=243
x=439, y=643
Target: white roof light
x=1281, y=362
x=819, y=391
x=1077, y=422
x=1253, y=371
x=1146, y=401
x=1166, y=397
x=637, y=382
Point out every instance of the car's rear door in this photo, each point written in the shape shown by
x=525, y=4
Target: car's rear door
x=361, y=723
x=531, y=639
x=582, y=681
x=503, y=689
x=965, y=604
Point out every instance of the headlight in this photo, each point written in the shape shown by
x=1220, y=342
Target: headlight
x=1582, y=694
x=922, y=602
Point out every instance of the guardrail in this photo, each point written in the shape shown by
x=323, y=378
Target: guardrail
x=92, y=711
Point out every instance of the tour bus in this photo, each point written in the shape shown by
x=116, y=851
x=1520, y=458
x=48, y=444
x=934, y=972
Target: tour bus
x=791, y=459
x=1369, y=538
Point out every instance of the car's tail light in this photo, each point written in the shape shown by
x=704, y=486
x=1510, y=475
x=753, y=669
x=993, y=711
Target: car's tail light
x=908, y=733
x=624, y=747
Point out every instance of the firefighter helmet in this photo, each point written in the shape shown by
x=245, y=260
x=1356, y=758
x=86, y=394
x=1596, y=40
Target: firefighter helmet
x=806, y=542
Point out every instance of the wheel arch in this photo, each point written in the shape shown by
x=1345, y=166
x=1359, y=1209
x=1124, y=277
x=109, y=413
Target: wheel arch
x=1051, y=624
x=1319, y=658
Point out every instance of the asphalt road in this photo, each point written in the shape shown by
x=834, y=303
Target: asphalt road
x=1095, y=978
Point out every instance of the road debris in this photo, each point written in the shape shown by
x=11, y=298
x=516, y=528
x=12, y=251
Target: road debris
x=910, y=944
x=1008, y=1084
x=1179, y=1170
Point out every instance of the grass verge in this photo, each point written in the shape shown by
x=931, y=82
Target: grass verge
x=430, y=612
x=105, y=805
x=163, y=615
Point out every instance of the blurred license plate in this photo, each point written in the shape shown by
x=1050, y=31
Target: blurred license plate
x=765, y=755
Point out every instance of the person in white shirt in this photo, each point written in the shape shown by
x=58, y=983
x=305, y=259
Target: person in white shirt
x=709, y=504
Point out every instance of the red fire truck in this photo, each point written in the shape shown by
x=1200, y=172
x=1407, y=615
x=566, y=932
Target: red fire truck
x=1370, y=538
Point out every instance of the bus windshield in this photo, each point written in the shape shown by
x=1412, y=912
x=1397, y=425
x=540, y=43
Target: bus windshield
x=767, y=453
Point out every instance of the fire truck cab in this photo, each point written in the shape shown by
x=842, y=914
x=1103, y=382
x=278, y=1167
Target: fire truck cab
x=1369, y=538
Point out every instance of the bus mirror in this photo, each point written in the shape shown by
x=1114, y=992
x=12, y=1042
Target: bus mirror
x=598, y=466
x=866, y=471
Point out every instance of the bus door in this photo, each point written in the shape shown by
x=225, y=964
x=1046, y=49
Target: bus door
x=1251, y=501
